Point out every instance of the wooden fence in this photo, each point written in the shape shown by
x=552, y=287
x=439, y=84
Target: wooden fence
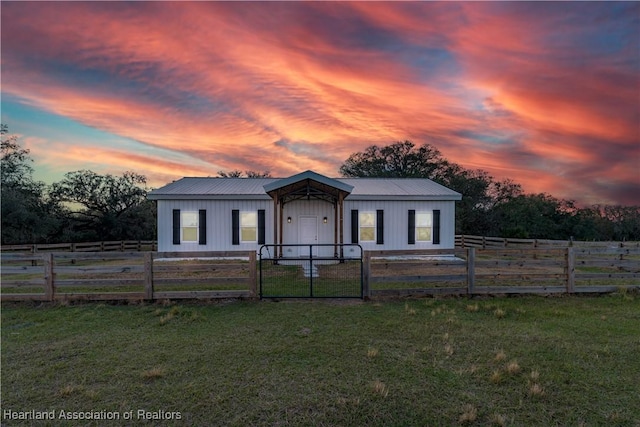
x=461, y=241
x=484, y=242
x=56, y=276
x=477, y=271
x=117, y=246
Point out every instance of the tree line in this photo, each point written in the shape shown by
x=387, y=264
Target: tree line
x=85, y=206
x=490, y=207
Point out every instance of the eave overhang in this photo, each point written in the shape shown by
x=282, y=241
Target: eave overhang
x=306, y=186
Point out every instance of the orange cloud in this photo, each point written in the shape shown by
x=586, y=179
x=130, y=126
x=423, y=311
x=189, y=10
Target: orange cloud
x=520, y=90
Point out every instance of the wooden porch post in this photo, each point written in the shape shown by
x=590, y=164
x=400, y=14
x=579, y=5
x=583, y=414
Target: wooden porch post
x=335, y=228
x=341, y=203
x=275, y=223
x=281, y=224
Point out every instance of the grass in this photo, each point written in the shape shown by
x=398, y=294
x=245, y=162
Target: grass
x=560, y=361
x=332, y=280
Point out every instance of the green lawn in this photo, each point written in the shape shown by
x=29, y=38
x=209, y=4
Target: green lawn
x=565, y=361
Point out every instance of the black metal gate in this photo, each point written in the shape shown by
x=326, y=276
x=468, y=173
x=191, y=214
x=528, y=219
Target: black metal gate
x=311, y=271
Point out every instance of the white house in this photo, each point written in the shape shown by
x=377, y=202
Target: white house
x=227, y=214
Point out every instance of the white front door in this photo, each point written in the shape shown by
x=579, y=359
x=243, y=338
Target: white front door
x=307, y=233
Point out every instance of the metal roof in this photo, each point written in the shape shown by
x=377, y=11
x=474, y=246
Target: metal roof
x=213, y=188
x=304, y=176
x=254, y=188
x=399, y=189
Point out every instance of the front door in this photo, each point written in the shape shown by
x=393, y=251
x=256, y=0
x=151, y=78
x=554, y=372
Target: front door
x=308, y=234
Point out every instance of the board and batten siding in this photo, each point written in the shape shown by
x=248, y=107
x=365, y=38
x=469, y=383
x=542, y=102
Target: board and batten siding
x=325, y=232
x=219, y=224
x=308, y=208
x=220, y=230
x=396, y=223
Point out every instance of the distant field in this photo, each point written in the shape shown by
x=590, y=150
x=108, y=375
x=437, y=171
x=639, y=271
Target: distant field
x=537, y=361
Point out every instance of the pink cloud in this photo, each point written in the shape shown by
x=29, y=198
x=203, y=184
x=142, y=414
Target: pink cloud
x=292, y=86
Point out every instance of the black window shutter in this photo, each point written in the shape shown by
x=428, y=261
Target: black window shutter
x=411, y=236
x=202, y=225
x=235, y=227
x=176, y=226
x=261, y=226
x=436, y=227
x=379, y=227
x=354, y=226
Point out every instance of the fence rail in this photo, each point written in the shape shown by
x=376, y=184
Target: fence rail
x=119, y=246
x=53, y=276
x=477, y=271
x=461, y=241
x=470, y=241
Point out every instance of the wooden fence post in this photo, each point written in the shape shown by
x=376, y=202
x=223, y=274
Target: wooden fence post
x=148, y=275
x=571, y=269
x=253, y=275
x=47, y=262
x=366, y=275
x=471, y=270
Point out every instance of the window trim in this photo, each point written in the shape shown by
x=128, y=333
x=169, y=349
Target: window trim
x=196, y=215
x=243, y=227
x=417, y=227
x=373, y=227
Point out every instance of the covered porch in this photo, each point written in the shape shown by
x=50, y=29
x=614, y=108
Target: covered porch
x=293, y=192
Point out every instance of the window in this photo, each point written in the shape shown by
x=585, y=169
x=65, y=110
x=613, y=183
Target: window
x=367, y=226
x=248, y=226
x=424, y=225
x=189, y=226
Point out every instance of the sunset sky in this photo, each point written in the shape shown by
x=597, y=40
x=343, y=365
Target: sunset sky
x=546, y=94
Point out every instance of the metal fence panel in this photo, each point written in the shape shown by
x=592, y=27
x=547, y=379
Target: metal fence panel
x=311, y=276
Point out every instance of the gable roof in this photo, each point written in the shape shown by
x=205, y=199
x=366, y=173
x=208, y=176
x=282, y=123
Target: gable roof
x=308, y=175
x=256, y=188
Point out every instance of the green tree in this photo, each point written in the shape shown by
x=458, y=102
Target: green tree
x=398, y=160
x=405, y=160
x=16, y=170
x=624, y=220
x=589, y=224
x=490, y=207
x=533, y=216
x=107, y=207
x=28, y=215
x=471, y=211
x=249, y=174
